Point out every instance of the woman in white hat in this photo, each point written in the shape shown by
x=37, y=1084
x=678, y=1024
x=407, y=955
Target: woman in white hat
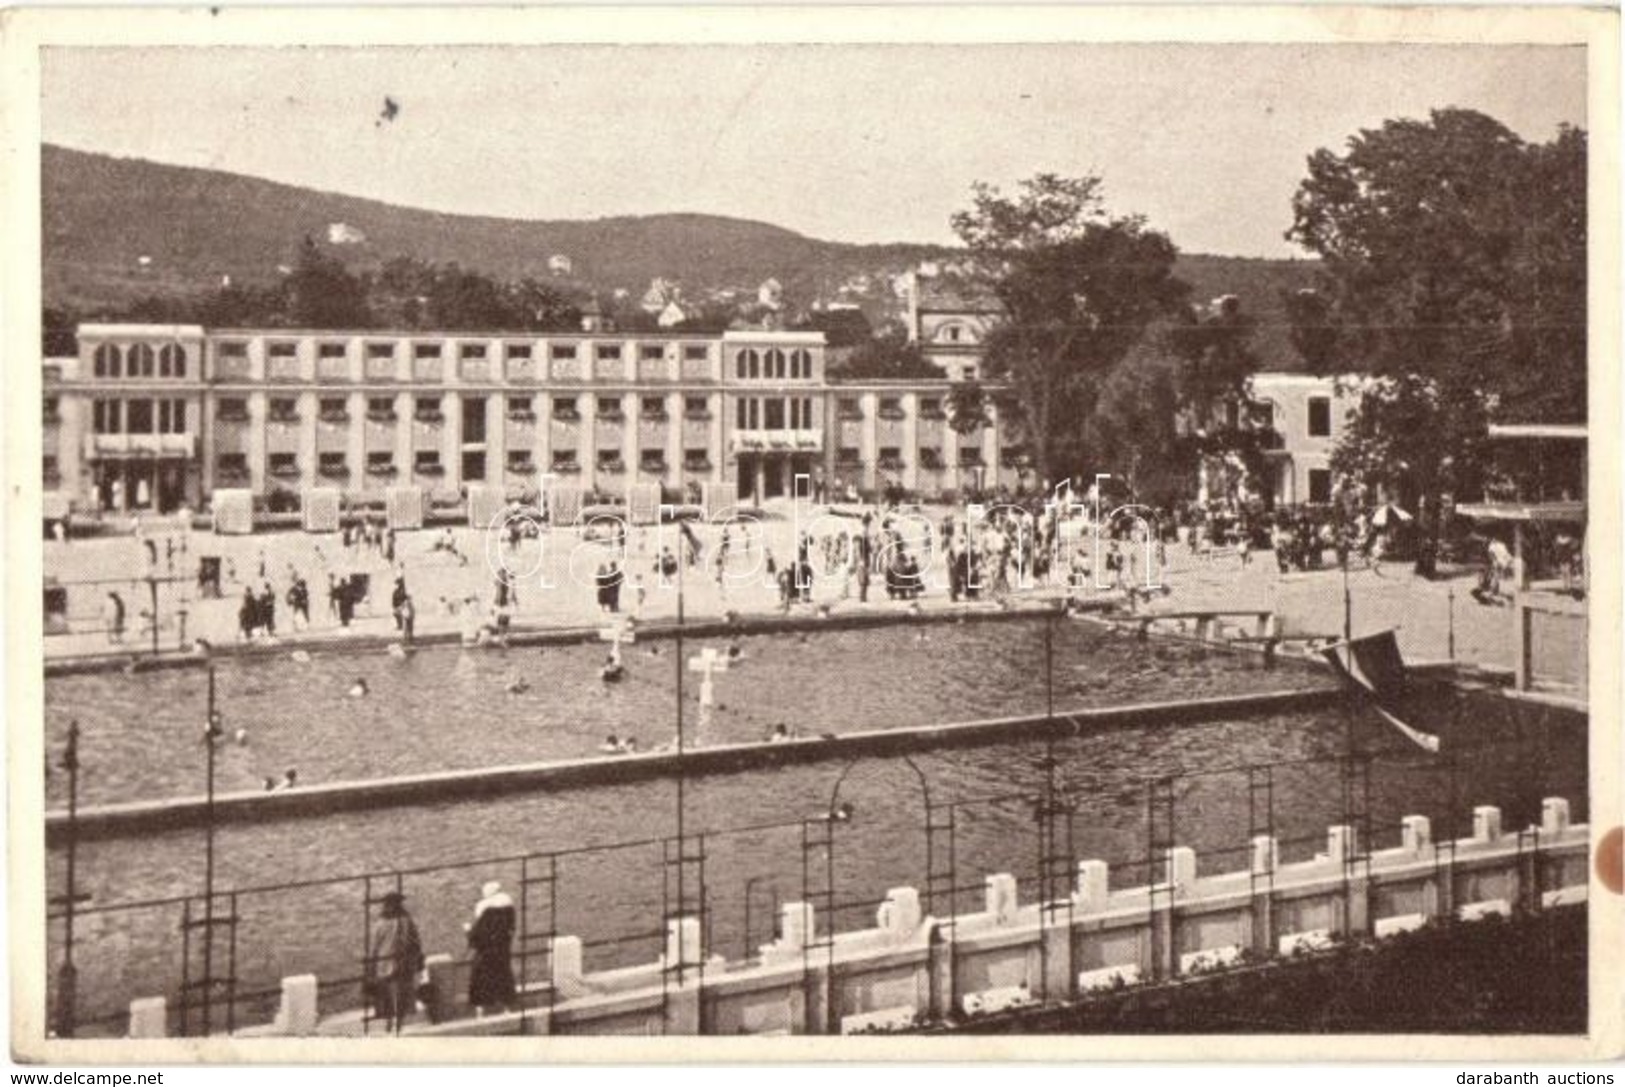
x=490, y=938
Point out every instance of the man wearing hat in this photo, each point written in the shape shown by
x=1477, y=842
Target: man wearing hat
x=395, y=959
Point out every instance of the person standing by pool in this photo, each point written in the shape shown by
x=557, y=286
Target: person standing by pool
x=115, y=618
x=248, y=614
x=267, y=610
x=394, y=958
x=490, y=938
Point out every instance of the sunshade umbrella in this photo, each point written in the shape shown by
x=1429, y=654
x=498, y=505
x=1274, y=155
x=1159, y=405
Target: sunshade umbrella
x=1389, y=514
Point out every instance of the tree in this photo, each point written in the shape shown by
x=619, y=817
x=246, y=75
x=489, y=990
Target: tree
x=1078, y=288
x=889, y=356
x=967, y=407
x=1453, y=256
x=323, y=294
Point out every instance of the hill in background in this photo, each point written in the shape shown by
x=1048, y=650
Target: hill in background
x=119, y=230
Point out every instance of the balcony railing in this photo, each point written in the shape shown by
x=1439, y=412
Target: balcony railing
x=376, y=469
x=427, y=468
x=334, y=416
x=381, y=415
x=525, y=416
x=569, y=467
x=429, y=417
x=334, y=471
x=701, y=464
x=566, y=415
x=612, y=464
x=283, y=471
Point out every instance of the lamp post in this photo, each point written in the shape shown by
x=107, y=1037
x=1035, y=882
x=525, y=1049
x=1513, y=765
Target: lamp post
x=211, y=736
x=68, y=977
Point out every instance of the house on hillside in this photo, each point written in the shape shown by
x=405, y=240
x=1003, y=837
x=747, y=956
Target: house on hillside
x=560, y=265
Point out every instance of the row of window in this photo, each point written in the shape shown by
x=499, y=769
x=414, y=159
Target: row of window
x=138, y=416
x=338, y=349
x=229, y=466
x=774, y=413
x=139, y=360
x=773, y=364
x=335, y=409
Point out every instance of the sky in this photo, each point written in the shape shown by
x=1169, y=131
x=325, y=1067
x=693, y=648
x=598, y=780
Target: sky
x=849, y=143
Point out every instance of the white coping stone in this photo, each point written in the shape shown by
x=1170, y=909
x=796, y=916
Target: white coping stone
x=1208, y=957
x=1486, y=823
x=1417, y=833
x=1554, y=815
x=1093, y=884
x=883, y=1019
x=298, y=1013
x=1476, y=911
x=899, y=915
x=1001, y=898
x=149, y=1017
x=1182, y=868
x=998, y=1000
x=795, y=925
x=1266, y=855
x=1393, y=926
x=1317, y=939
x=1565, y=896
x=1106, y=977
x=683, y=941
x=1339, y=843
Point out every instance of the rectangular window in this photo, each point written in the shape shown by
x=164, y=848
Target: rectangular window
x=473, y=465
x=931, y=407
x=930, y=457
x=427, y=462
x=517, y=350
x=426, y=409
x=381, y=351
x=695, y=352
x=380, y=462
x=1320, y=417
x=140, y=417
x=471, y=351
x=232, y=409
x=563, y=351
x=849, y=408
x=849, y=455
x=773, y=412
x=474, y=420
x=283, y=465
x=696, y=407
x=284, y=409
x=969, y=456
x=172, y=417
x=607, y=352
x=381, y=409
x=697, y=460
x=519, y=409
x=652, y=352
x=564, y=460
x=51, y=473
x=282, y=349
x=1320, y=485
x=564, y=409
x=609, y=407
x=609, y=460
x=652, y=460
x=231, y=464
x=739, y=413
x=891, y=408
x=519, y=461
x=654, y=408
x=333, y=465
x=333, y=409
x=106, y=417
x=331, y=350
x=426, y=350
x=52, y=411
x=231, y=349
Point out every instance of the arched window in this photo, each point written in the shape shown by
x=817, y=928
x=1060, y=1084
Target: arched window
x=749, y=361
x=775, y=364
x=800, y=364
x=172, y=360
x=109, y=360
x=140, y=360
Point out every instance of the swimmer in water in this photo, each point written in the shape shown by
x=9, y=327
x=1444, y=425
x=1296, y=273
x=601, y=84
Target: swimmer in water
x=518, y=685
x=735, y=652
x=612, y=671
x=611, y=745
x=358, y=689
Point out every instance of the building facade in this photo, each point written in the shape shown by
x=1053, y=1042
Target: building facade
x=161, y=416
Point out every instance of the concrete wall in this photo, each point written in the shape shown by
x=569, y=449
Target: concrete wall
x=911, y=967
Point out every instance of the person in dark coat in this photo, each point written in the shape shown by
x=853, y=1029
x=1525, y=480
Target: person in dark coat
x=267, y=610
x=248, y=614
x=490, y=940
x=395, y=958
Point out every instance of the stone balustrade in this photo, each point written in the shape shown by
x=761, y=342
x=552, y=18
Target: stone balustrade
x=911, y=967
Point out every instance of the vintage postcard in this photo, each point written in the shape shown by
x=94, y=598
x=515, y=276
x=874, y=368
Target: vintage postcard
x=795, y=533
